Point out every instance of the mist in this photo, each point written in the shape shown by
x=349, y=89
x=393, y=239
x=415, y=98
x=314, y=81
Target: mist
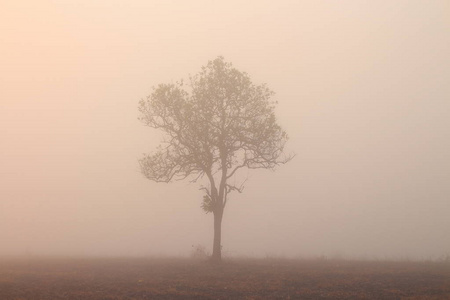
x=363, y=93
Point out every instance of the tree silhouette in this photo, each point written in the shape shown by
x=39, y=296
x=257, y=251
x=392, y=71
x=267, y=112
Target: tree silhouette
x=214, y=126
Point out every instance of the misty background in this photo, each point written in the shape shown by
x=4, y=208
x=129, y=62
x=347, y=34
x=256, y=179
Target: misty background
x=363, y=91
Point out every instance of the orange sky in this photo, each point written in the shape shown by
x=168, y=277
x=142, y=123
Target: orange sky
x=363, y=93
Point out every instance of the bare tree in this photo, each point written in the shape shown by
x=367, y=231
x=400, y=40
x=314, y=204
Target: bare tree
x=214, y=126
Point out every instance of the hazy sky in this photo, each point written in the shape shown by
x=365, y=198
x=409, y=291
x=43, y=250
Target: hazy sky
x=364, y=94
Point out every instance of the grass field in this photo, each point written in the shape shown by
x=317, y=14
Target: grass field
x=180, y=278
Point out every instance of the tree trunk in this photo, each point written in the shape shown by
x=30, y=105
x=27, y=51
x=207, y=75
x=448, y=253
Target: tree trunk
x=217, y=247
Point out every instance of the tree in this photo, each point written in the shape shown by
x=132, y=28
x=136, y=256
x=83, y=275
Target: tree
x=214, y=126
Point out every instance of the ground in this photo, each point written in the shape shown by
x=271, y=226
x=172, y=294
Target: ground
x=182, y=278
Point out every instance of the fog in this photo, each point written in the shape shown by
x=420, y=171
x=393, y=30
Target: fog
x=362, y=89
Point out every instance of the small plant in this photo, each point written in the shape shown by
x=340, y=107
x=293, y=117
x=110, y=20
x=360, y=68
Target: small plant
x=199, y=252
x=445, y=258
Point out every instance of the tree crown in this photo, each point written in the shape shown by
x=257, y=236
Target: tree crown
x=217, y=124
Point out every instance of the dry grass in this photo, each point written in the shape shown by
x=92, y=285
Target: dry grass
x=178, y=278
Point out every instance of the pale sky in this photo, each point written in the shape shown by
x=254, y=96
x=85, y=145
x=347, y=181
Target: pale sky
x=363, y=91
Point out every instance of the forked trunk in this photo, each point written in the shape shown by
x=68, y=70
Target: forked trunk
x=217, y=247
